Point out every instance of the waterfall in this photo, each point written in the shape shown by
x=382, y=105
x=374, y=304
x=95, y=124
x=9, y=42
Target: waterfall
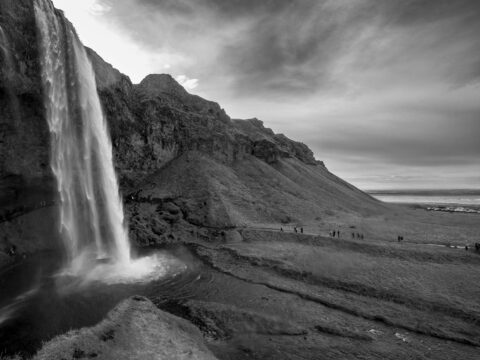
x=91, y=210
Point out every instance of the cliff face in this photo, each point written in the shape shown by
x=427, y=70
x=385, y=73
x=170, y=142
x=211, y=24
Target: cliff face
x=27, y=189
x=157, y=120
x=24, y=136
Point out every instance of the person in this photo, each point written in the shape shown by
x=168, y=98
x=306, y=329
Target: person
x=301, y=230
x=361, y=236
x=13, y=250
x=466, y=247
x=353, y=235
x=295, y=229
x=281, y=229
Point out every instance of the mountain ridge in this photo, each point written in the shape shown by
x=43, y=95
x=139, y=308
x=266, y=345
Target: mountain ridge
x=167, y=95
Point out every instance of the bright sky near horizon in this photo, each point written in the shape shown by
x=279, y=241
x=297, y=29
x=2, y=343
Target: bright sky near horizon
x=387, y=92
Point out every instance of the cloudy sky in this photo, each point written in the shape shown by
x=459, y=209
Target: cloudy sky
x=386, y=92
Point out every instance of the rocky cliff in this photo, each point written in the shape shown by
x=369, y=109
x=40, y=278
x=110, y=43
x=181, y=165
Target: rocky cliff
x=157, y=120
x=27, y=189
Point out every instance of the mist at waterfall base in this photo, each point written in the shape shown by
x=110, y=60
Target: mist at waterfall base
x=37, y=304
x=91, y=210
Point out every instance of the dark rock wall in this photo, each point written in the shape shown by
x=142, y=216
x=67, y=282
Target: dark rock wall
x=24, y=136
x=27, y=187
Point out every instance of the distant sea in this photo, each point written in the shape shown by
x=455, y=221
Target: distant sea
x=438, y=200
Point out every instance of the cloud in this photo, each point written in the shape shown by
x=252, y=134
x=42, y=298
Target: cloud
x=301, y=47
x=186, y=82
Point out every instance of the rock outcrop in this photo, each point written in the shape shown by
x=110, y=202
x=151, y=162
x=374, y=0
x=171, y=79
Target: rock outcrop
x=158, y=120
x=135, y=329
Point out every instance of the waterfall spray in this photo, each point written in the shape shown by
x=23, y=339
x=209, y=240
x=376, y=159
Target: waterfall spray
x=91, y=210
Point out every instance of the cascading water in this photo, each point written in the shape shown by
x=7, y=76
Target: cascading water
x=91, y=211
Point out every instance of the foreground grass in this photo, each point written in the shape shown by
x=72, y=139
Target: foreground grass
x=434, y=298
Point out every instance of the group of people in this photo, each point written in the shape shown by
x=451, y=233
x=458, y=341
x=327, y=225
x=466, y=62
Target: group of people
x=477, y=247
x=295, y=229
x=336, y=233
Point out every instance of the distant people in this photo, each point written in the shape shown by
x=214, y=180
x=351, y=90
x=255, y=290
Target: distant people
x=12, y=251
x=301, y=230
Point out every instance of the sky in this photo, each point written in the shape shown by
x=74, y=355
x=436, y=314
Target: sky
x=385, y=92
